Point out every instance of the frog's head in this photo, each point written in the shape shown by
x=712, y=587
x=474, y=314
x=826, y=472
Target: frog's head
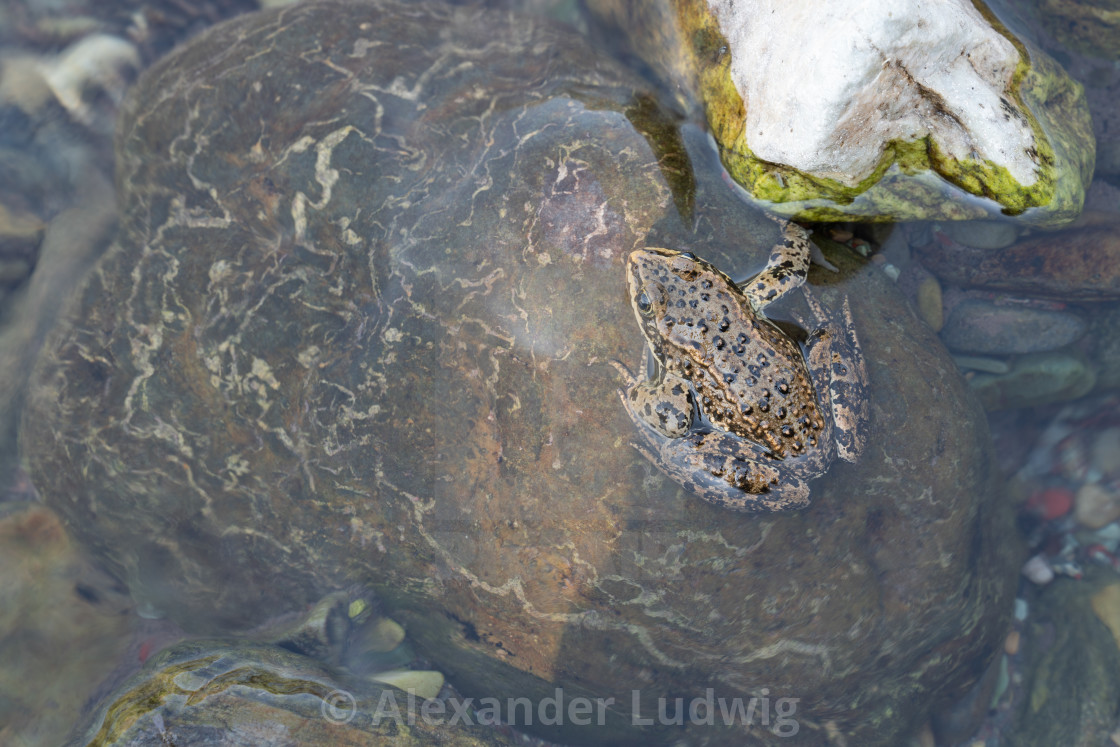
x=669, y=292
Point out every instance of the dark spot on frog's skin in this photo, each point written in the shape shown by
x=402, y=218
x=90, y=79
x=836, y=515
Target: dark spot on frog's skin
x=724, y=324
x=706, y=284
x=87, y=593
x=717, y=342
x=755, y=370
x=764, y=406
x=677, y=390
x=787, y=431
x=783, y=386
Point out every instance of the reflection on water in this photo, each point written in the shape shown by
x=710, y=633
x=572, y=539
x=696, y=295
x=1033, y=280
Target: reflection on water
x=1030, y=318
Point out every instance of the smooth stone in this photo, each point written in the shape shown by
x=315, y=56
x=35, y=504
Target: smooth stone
x=1035, y=379
x=1038, y=571
x=981, y=234
x=1068, y=661
x=63, y=626
x=985, y=327
x=1104, y=345
x=1096, y=506
x=229, y=693
x=1011, y=643
x=20, y=231
x=1079, y=265
x=1104, y=454
x=930, y=306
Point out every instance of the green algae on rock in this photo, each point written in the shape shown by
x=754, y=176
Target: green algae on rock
x=876, y=112
x=357, y=328
x=218, y=693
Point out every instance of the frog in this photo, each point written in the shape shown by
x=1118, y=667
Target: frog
x=730, y=405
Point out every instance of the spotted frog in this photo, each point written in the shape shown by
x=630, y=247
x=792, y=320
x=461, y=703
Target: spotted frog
x=736, y=412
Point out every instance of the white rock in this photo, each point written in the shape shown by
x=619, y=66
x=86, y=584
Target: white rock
x=1038, y=570
x=97, y=61
x=827, y=85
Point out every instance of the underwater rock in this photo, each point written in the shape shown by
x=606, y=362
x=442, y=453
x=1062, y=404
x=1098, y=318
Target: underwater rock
x=1036, y=379
x=990, y=328
x=225, y=693
x=981, y=234
x=1069, y=667
x=1075, y=265
x=358, y=327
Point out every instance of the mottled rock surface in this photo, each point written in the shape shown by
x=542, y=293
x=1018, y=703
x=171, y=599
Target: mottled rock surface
x=228, y=693
x=358, y=326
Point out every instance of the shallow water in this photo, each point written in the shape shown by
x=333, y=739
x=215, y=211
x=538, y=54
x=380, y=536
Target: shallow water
x=58, y=151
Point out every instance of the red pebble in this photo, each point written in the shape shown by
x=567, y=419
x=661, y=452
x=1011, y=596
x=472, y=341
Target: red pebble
x=1051, y=503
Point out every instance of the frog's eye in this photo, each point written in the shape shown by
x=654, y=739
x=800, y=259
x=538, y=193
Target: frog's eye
x=688, y=255
x=645, y=304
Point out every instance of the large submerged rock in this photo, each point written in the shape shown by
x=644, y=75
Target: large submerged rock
x=358, y=327
x=875, y=110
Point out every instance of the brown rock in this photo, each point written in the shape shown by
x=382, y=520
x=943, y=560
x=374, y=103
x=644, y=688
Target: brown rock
x=976, y=326
x=1082, y=265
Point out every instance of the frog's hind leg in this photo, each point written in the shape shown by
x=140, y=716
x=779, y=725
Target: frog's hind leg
x=785, y=270
x=731, y=473
x=838, y=367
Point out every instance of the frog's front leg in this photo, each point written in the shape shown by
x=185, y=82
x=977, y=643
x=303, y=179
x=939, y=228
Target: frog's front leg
x=839, y=373
x=665, y=405
x=785, y=270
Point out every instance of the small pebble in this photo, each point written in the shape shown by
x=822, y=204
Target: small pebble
x=840, y=234
x=1022, y=609
x=1011, y=643
x=929, y=303
x=1096, y=507
x=981, y=234
x=891, y=271
x=1038, y=571
x=1051, y=503
x=1105, y=451
x=1109, y=536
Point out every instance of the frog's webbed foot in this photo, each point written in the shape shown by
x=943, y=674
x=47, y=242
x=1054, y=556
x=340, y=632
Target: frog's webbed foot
x=786, y=268
x=728, y=472
x=837, y=365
